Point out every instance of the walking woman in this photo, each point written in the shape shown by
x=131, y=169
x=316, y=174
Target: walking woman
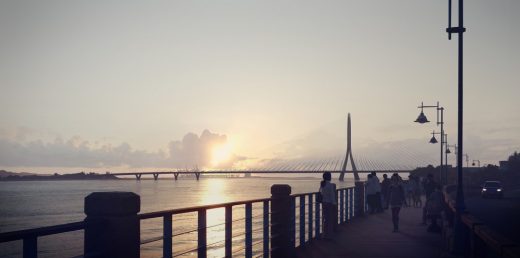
x=327, y=190
x=396, y=199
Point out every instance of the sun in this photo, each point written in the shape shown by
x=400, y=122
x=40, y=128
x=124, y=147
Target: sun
x=221, y=154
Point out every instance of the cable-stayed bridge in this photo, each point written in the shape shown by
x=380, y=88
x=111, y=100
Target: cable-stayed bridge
x=387, y=159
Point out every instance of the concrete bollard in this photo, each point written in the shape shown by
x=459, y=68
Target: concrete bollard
x=281, y=245
x=112, y=226
x=359, y=205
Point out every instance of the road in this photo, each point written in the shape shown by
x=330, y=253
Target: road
x=503, y=215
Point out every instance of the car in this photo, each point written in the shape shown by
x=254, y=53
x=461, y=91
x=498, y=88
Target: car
x=492, y=189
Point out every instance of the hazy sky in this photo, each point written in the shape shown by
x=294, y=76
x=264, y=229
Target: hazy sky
x=112, y=84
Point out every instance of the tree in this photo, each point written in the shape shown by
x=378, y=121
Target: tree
x=513, y=162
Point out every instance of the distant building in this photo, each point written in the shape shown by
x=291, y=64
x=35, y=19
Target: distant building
x=503, y=165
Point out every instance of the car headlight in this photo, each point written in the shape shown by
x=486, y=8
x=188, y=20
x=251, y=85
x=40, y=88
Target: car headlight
x=499, y=190
x=484, y=189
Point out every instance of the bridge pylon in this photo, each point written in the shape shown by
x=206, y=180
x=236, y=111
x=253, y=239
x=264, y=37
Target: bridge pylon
x=349, y=155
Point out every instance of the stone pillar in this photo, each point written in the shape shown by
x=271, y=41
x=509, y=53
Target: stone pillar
x=281, y=245
x=112, y=226
x=359, y=202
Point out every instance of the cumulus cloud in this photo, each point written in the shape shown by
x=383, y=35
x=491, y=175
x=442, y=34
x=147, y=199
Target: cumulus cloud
x=194, y=150
x=191, y=151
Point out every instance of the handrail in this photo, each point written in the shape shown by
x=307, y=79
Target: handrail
x=41, y=231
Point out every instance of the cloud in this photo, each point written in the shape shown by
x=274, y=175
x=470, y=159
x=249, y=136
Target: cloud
x=191, y=151
x=195, y=150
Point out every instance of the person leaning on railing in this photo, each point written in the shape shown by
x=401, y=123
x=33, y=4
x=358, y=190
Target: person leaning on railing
x=328, y=193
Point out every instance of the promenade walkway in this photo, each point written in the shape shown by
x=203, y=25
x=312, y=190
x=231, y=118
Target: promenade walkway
x=372, y=236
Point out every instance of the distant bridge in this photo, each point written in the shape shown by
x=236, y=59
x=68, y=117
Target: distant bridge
x=197, y=174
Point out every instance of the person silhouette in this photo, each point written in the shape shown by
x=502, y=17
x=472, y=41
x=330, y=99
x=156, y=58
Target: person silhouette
x=328, y=193
x=396, y=199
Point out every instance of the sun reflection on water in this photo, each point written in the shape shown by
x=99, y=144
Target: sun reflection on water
x=215, y=193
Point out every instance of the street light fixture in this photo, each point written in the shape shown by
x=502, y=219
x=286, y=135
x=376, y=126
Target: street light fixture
x=452, y=146
x=421, y=119
x=444, y=141
x=433, y=140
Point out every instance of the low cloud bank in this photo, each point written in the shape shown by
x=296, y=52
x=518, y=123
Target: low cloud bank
x=190, y=152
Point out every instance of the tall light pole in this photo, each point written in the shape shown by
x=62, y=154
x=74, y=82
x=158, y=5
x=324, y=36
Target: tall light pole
x=459, y=206
x=446, y=158
x=421, y=119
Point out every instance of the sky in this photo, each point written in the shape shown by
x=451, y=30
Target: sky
x=136, y=85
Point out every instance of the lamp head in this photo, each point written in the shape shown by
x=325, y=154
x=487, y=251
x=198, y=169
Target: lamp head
x=448, y=151
x=433, y=140
x=421, y=119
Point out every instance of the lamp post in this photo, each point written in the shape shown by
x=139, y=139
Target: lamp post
x=459, y=206
x=467, y=159
x=448, y=151
x=421, y=119
x=446, y=158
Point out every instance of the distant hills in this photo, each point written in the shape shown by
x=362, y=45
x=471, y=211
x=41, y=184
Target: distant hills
x=4, y=173
x=24, y=176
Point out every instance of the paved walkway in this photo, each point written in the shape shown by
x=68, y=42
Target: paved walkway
x=372, y=236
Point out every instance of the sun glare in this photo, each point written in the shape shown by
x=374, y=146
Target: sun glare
x=221, y=154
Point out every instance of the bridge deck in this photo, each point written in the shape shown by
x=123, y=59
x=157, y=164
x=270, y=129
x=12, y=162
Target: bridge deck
x=371, y=236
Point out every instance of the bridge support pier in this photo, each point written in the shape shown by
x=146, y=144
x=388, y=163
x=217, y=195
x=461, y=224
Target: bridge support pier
x=281, y=214
x=138, y=176
x=155, y=176
x=176, y=176
x=112, y=227
x=197, y=175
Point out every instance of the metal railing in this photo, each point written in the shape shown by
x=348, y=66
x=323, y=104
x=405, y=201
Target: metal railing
x=480, y=240
x=307, y=214
x=30, y=236
x=309, y=222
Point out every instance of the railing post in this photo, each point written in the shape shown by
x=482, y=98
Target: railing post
x=249, y=230
x=112, y=227
x=350, y=203
x=201, y=246
x=167, y=236
x=228, y=231
x=30, y=247
x=302, y=220
x=281, y=219
x=266, y=229
x=293, y=222
x=310, y=216
x=317, y=220
x=341, y=206
x=360, y=199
